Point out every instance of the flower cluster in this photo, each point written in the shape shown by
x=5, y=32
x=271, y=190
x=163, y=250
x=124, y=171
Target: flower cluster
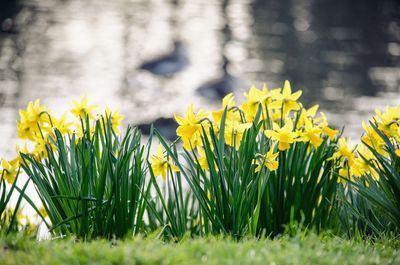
x=284, y=121
x=37, y=126
x=359, y=160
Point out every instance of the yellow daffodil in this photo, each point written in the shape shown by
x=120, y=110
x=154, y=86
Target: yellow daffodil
x=285, y=135
x=189, y=128
x=361, y=166
x=232, y=114
x=311, y=134
x=160, y=164
x=116, y=119
x=203, y=163
x=40, y=150
x=255, y=98
x=344, y=173
x=330, y=132
x=388, y=120
x=286, y=100
x=9, y=170
x=31, y=119
x=62, y=124
x=81, y=109
x=234, y=131
x=306, y=115
x=269, y=161
x=34, y=113
x=372, y=138
x=397, y=152
x=344, y=152
x=42, y=212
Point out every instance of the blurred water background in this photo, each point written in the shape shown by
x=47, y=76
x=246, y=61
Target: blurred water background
x=344, y=55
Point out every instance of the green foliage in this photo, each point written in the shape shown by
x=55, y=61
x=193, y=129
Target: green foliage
x=94, y=185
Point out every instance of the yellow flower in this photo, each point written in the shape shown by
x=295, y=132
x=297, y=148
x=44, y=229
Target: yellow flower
x=40, y=150
x=116, y=119
x=62, y=124
x=344, y=173
x=23, y=219
x=203, y=163
x=388, y=121
x=26, y=131
x=35, y=115
x=23, y=150
x=286, y=99
x=311, y=134
x=9, y=170
x=269, y=160
x=397, y=152
x=81, y=109
x=330, y=132
x=232, y=114
x=361, y=166
x=189, y=128
x=372, y=138
x=344, y=152
x=305, y=115
x=160, y=164
x=234, y=132
x=255, y=97
x=285, y=135
x=43, y=212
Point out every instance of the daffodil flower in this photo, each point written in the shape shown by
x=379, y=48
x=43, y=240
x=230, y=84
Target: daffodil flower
x=9, y=170
x=311, y=134
x=269, y=161
x=234, y=131
x=286, y=99
x=81, y=109
x=228, y=102
x=189, y=128
x=285, y=135
x=344, y=152
x=116, y=119
x=160, y=164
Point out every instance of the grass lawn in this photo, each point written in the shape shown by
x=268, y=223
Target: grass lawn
x=310, y=249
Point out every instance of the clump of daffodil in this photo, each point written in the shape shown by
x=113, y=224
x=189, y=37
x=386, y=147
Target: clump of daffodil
x=160, y=163
x=37, y=125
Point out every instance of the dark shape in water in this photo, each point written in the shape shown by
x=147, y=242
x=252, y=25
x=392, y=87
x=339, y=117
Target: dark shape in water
x=218, y=88
x=168, y=64
x=166, y=127
x=8, y=10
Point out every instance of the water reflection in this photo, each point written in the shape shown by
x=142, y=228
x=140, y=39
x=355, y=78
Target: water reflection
x=343, y=54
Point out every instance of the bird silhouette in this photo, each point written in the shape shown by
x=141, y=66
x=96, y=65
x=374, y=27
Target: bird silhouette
x=166, y=127
x=168, y=64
